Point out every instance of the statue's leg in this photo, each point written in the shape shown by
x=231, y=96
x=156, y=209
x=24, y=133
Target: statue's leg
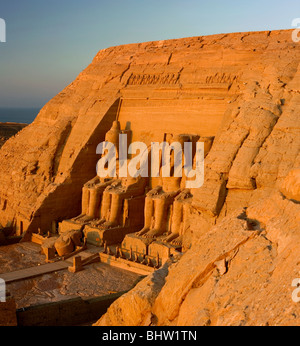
x=148, y=210
x=105, y=206
x=185, y=218
x=160, y=215
x=177, y=216
x=115, y=209
x=175, y=222
x=183, y=226
x=85, y=200
x=94, y=204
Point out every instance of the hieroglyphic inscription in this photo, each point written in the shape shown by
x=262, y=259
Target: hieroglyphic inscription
x=148, y=79
x=221, y=78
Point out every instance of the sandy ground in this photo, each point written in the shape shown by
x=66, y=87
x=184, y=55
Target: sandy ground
x=95, y=280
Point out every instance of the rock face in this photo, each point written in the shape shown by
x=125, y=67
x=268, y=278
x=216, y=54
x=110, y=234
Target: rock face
x=134, y=308
x=242, y=89
x=240, y=272
x=291, y=185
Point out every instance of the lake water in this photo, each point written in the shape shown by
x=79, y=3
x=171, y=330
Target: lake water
x=18, y=115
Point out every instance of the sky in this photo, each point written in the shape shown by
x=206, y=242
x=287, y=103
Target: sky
x=48, y=43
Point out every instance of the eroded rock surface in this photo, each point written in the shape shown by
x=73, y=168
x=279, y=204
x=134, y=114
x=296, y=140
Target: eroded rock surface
x=238, y=273
x=291, y=185
x=134, y=308
x=241, y=227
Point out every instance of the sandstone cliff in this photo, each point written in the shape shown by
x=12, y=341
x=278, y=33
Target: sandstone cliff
x=242, y=247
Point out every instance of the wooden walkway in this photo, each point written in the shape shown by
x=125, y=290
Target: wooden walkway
x=47, y=268
x=42, y=269
x=34, y=271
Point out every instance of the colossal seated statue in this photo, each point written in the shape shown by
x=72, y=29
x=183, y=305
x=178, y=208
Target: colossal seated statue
x=91, y=198
x=166, y=213
x=180, y=208
x=179, y=219
x=159, y=200
x=157, y=207
x=93, y=190
x=113, y=196
x=108, y=201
